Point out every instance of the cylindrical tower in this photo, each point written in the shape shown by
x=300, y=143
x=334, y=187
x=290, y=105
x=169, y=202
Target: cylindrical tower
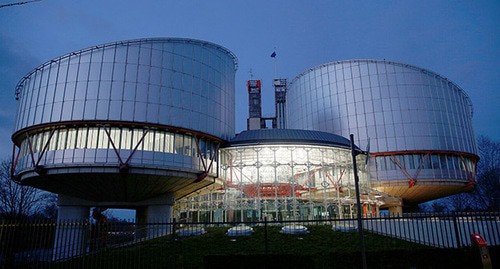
x=416, y=124
x=125, y=121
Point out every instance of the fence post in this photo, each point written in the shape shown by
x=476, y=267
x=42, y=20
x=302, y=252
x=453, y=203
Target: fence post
x=266, y=241
x=173, y=228
x=455, y=226
x=176, y=245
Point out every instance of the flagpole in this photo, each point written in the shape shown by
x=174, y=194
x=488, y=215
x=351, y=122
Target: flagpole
x=275, y=72
x=273, y=55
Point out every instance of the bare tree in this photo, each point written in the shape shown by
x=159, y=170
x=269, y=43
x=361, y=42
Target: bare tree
x=489, y=152
x=436, y=206
x=486, y=195
x=460, y=202
x=18, y=200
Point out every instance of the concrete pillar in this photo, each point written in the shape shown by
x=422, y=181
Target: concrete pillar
x=141, y=220
x=141, y=215
x=158, y=214
x=153, y=215
x=72, y=229
x=396, y=210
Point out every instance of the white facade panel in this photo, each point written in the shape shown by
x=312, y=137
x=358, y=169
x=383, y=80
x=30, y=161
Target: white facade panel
x=129, y=81
x=410, y=103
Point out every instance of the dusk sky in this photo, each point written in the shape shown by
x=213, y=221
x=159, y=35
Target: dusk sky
x=457, y=39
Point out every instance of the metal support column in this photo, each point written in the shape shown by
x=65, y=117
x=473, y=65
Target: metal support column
x=362, y=248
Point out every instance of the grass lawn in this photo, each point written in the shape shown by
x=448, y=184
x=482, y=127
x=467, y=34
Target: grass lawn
x=318, y=246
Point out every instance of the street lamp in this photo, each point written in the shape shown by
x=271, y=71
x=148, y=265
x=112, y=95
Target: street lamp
x=355, y=152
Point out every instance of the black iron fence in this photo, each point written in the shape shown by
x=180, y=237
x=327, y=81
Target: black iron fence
x=444, y=230
x=82, y=244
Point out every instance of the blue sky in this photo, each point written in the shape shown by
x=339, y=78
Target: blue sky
x=457, y=39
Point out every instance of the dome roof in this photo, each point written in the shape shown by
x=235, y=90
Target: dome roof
x=289, y=136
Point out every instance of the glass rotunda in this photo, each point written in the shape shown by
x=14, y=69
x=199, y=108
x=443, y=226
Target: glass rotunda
x=283, y=174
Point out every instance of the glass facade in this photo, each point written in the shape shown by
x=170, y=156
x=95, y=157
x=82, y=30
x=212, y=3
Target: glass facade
x=428, y=166
x=96, y=145
x=281, y=181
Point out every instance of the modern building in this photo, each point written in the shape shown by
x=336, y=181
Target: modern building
x=131, y=124
x=145, y=123
x=416, y=124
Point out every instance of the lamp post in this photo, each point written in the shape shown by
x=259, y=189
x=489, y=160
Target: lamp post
x=354, y=153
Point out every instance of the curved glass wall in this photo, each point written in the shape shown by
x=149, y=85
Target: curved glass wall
x=101, y=145
x=425, y=165
x=282, y=181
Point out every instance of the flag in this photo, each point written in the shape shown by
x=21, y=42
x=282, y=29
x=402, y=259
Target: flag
x=273, y=55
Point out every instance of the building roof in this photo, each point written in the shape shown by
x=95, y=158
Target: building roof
x=289, y=136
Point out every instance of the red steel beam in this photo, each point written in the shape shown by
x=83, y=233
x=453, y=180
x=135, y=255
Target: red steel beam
x=137, y=146
x=113, y=145
x=45, y=147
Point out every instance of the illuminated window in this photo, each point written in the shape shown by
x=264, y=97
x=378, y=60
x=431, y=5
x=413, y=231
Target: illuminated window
x=93, y=136
x=81, y=142
x=114, y=134
x=159, y=141
x=148, y=142
x=169, y=143
x=71, y=139
x=102, y=139
x=61, y=141
x=123, y=138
